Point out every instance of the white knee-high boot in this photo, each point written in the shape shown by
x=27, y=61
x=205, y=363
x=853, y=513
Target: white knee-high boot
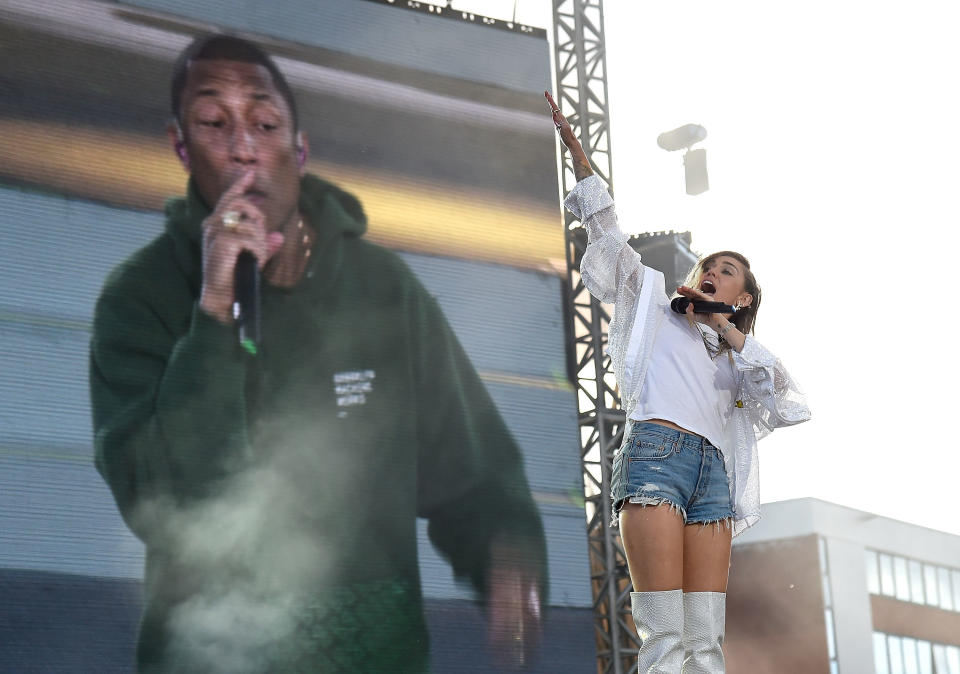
x=704, y=619
x=659, y=620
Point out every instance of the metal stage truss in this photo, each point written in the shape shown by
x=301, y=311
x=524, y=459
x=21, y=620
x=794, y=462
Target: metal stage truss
x=581, y=93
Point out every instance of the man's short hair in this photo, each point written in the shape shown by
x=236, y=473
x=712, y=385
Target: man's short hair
x=230, y=48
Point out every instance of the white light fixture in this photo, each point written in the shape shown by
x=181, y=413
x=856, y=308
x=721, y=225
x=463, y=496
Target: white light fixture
x=694, y=161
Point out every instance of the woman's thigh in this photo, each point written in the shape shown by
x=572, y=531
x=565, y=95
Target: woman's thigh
x=663, y=553
x=706, y=556
x=652, y=538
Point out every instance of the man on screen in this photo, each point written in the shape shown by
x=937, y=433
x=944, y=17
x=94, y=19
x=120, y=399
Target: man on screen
x=277, y=493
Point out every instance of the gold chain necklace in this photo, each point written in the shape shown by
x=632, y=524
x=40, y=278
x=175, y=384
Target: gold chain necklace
x=712, y=351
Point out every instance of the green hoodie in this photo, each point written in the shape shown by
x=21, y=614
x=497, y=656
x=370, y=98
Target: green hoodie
x=277, y=495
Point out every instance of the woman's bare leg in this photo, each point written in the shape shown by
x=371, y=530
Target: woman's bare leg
x=706, y=565
x=653, y=539
x=706, y=557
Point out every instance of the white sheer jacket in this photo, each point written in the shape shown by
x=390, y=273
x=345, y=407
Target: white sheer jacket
x=613, y=273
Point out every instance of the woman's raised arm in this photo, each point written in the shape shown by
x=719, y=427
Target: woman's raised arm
x=581, y=164
x=610, y=268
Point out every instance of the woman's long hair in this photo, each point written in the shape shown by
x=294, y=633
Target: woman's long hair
x=746, y=317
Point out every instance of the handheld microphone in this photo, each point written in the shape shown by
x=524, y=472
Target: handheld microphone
x=680, y=304
x=246, y=302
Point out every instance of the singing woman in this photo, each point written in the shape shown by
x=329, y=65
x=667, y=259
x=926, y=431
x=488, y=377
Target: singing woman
x=698, y=392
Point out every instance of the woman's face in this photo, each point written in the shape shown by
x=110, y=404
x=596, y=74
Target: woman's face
x=723, y=278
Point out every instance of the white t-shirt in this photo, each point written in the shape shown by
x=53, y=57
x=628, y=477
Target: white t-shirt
x=683, y=384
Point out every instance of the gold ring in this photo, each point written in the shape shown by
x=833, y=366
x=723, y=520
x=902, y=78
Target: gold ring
x=230, y=219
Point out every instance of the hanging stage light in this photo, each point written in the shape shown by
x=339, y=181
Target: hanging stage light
x=694, y=161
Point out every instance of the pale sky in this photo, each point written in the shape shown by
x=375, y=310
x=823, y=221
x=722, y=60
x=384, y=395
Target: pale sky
x=833, y=163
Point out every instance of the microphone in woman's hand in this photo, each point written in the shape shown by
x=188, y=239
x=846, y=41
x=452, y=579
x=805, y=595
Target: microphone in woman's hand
x=680, y=304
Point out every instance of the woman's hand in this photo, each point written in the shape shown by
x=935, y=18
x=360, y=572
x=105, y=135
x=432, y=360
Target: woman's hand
x=563, y=126
x=715, y=321
x=721, y=323
x=581, y=164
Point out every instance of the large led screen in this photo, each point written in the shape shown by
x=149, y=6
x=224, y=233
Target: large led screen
x=434, y=123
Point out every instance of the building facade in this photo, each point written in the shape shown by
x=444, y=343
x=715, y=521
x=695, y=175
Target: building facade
x=821, y=588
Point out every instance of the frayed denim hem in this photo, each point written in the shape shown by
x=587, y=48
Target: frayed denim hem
x=727, y=522
x=645, y=501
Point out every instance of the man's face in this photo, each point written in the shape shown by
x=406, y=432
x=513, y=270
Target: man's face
x=234, y=121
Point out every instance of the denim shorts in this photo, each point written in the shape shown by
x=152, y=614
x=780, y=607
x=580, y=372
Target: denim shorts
x=658, y=465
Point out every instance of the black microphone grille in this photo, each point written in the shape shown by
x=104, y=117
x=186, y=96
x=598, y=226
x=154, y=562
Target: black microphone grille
x=680, y=304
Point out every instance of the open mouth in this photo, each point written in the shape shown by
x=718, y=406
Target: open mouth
x=708, y=288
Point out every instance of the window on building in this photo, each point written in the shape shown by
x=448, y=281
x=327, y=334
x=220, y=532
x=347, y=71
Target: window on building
x=912, y=580
x=925, y=657
x=831, y=644
x=894, y=654
x=940, y=658
x=916, y=581
x=930, y=581
x=873, y=575
x=902, y=581
x=953, y=659
x=886, y=575
x=943, y=585
x=910, y=662
x=946, y=659
x=880, y=660
x=828, y=606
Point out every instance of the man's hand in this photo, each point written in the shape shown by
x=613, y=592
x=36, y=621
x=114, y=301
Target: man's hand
x=513, y=613
x=235, y=225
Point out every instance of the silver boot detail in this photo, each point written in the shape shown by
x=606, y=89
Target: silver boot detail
x=659, y=620
x=704, y=618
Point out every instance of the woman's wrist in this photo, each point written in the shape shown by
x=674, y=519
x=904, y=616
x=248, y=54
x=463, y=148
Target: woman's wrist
x=581, y=165
x=728, y=331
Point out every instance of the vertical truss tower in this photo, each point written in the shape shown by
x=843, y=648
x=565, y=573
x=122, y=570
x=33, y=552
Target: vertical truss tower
x=581, y=93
